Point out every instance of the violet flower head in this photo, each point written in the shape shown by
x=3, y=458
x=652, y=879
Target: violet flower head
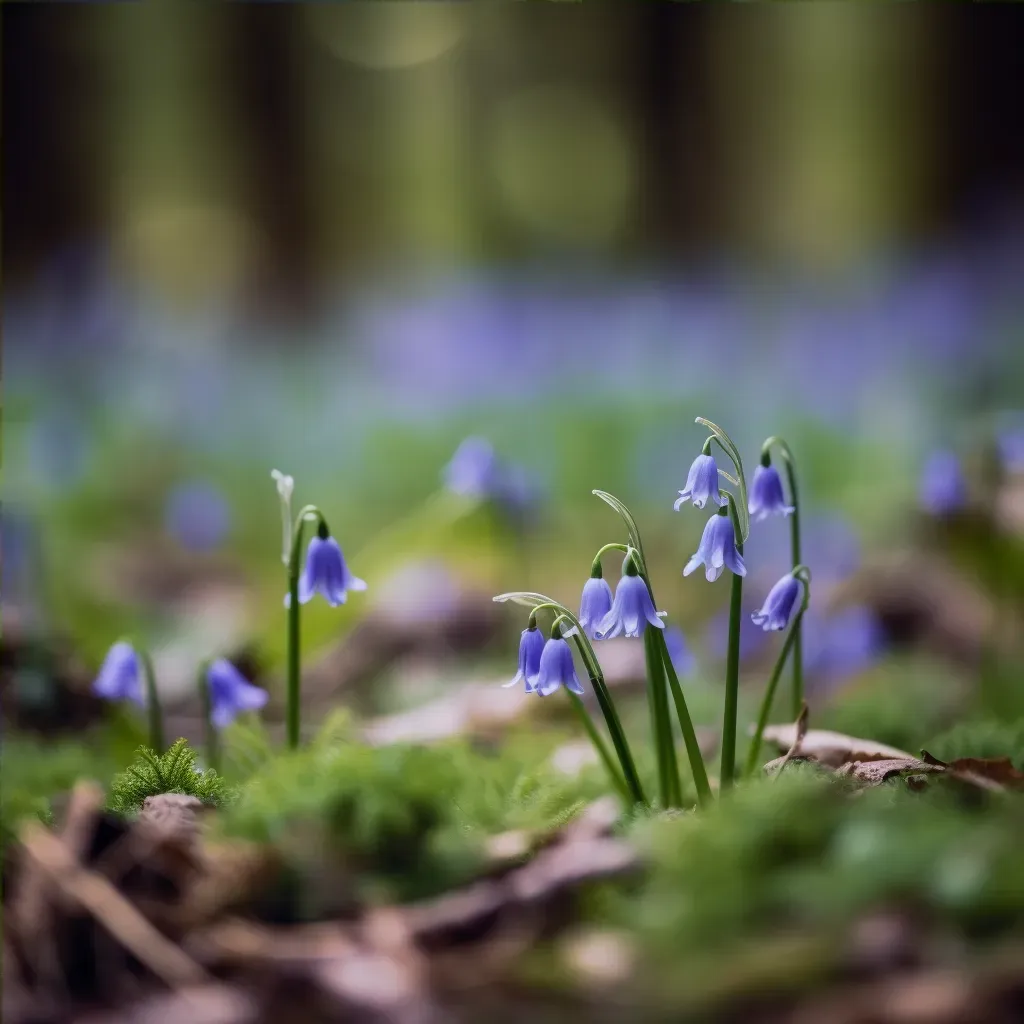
x=632, y=609
x=701, y=484
x=556, y=669
x=843, y=645
x=531, y=645
x=326, y=573
x=777, y=609
x=942, y=489
x=766, y=495
x=474, y=470
x=717, y=549
x=595, y=604
x=230, y=693
x=120, y=677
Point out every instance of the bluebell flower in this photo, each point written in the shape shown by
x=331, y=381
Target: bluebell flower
x=777, y=609
x=120, y=676
x=231, y=693
x=474, y=470
x=197, y=516
x=556, y=669
x=701, y=484
x=942, y=488
x=595, y=604
x=326, y=573
x=679, y=651
x=531, y=644
x=717, y=550
x=631, y=610
x=766, y=496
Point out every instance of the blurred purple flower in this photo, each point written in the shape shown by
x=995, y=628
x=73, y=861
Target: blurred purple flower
x=842, y=645
x=326, y=573
x=231, y=693
x=595, y=604
x=752, y=639
x=701, y=484
x=942, y=488
x=775, y=613
x=119, y=676
x=766, y=496
x=197, y=516
x=473, y=470
x=631, y=611
x=679, y=651
x=1011, y=449
x=531, y=646
x=717, y=550
x=556, y=669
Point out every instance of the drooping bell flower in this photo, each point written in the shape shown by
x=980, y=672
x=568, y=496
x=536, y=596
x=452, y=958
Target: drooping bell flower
x=632, y=608
x=556, y=669
x=766, y=495
x=717, y=549
x=474, y=470
x=531, y=645
x=230, y=693
x=701, y=483
x=120, y=676
x=777, y=609
x=325, y=572
x=595, y=603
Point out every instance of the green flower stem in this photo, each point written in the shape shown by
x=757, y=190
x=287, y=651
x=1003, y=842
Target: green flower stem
x=693, y=752
x=661, y=723
x=754, y=752
x=154, y=712
x=294, y=688
x=604, y=697
x=611, y=718
x=210, y=739
x=795, y=555
x=600, y=747
x=732, y=665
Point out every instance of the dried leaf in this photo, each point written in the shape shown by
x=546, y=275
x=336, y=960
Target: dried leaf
x=874, y=773
x=831, y=748
x=992, y=773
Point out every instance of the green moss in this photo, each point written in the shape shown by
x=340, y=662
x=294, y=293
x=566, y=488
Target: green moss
x=174, y=771
x=795, y=856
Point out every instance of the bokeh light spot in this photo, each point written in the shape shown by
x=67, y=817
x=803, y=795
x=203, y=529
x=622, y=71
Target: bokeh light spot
x=387, y=36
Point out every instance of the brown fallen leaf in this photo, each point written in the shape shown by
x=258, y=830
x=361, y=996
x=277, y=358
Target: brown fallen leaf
x=831, y=748
x=874, y=773
x=992, y=773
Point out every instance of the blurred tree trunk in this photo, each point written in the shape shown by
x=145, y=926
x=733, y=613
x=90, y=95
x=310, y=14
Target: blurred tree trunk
x=167, y=147
x=827, y=115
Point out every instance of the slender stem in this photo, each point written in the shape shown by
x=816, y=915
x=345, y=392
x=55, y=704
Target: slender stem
x=693, y=752
x=210, y=738
x=611, y=717
x=769, y=695
x=732, y=666
x=154, y=712
x=661, y=723
x=600, y=747
x=294, y=638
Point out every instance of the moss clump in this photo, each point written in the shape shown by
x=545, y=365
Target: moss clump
x=796, y=857
x=400, y=822
x=174, y=771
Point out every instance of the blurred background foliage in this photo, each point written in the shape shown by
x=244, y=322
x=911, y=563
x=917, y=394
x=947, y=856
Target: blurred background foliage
x=338, y=239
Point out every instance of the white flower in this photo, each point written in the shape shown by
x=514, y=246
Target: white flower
x=285, y=487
